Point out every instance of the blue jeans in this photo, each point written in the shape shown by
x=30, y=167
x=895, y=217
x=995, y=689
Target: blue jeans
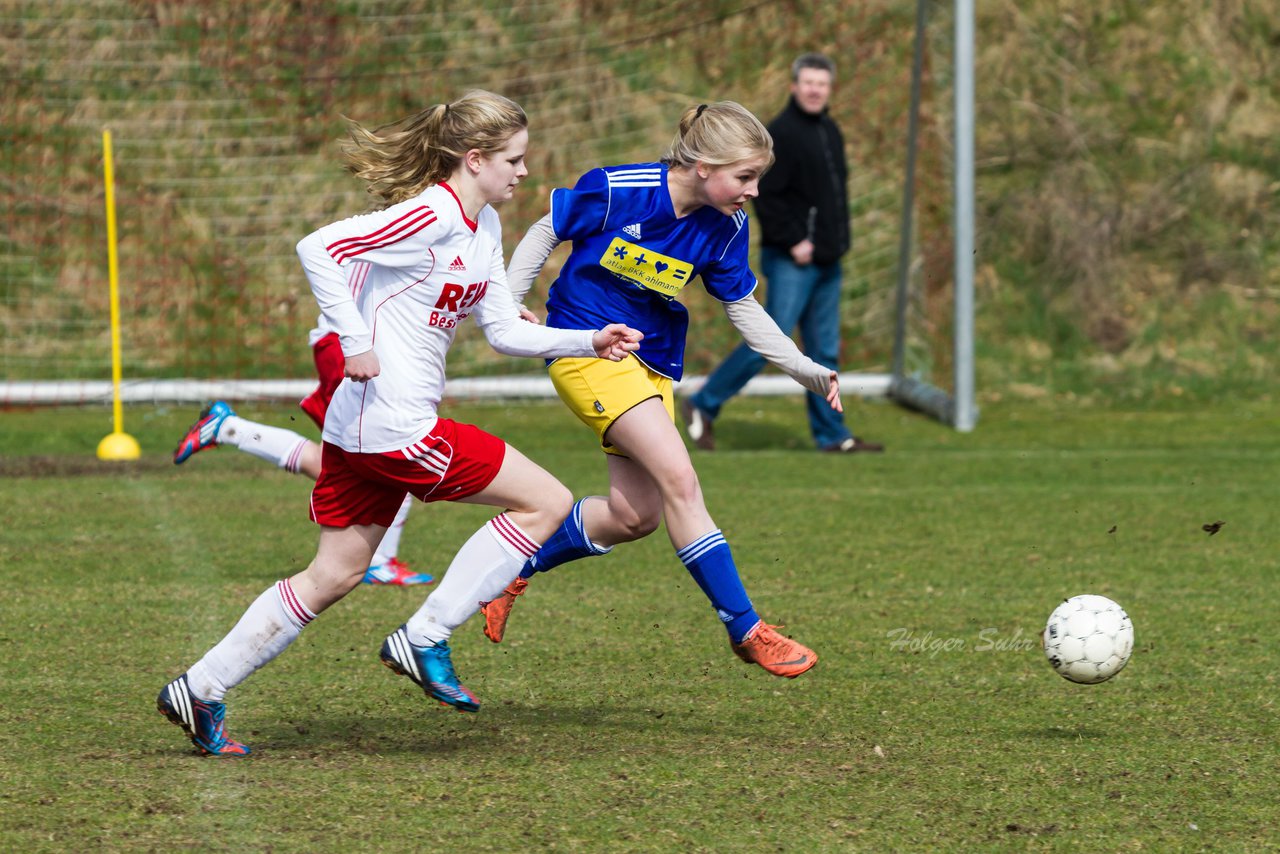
x=807, y=296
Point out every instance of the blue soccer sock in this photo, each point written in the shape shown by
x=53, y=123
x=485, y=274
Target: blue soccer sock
x=569, y=542
x=711, y=564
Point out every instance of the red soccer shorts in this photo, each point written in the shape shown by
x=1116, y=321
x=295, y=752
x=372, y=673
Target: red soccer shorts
x=331, y=365
x=452, y=461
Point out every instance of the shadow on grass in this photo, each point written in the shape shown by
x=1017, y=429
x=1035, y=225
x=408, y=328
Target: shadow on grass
x=748, y=436
x=435, y=730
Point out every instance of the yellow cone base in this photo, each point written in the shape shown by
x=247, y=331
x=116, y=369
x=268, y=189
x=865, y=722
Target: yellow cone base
x=119, y=446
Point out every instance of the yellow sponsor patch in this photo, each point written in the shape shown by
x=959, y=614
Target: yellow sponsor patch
x=647, y=268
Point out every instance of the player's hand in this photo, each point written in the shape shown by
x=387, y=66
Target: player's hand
x=528, y=316
x=833, y=393
x=615, y=341
x=802, y=252
x=362, y=367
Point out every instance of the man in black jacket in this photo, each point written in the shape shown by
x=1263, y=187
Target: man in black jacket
x=803, y=212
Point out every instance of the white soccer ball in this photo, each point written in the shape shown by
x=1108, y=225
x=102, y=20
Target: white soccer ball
x=1088, y=639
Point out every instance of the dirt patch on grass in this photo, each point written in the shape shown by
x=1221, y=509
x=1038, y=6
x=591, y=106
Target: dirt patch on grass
x=56, y=466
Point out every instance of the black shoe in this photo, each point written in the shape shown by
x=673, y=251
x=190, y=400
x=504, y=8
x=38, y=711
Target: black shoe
x=853, y=445
x=697, y=423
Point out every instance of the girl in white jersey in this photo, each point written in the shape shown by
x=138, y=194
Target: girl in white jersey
x=394, y=285
x=642, y=232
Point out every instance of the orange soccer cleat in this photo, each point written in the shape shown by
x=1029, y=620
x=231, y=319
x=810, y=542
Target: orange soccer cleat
x=497, y=611
x=778, y=654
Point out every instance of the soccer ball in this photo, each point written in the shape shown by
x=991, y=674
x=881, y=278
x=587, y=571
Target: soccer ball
x=1088, y=639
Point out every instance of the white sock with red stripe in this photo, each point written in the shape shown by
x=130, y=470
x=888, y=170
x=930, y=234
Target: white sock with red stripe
x=272, y=622
x=481, y=569
x=274, y=444
x=390, y=545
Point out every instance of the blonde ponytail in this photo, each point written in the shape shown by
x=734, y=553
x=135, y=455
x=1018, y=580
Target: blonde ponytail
x=718, y=134
x=400, y=160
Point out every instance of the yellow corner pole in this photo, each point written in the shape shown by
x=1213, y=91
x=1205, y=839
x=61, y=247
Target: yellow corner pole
x=119, y=445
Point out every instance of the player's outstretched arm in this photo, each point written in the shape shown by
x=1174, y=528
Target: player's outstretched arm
x=510, y=335
x=760, y=332
x=529, y=257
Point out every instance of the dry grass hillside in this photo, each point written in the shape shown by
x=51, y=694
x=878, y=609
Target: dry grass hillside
x=1128, y=175
x=1130, y=195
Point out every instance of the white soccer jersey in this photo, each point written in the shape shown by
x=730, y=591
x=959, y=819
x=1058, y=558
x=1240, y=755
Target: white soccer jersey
x=320, y=330
x=399, y=282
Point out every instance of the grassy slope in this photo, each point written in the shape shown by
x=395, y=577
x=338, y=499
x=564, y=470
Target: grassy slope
x=615, y=716
x=1129, y=195
x=1127, y=184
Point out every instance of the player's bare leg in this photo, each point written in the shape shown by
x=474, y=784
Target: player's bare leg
x=338, y=566
x=647, y=435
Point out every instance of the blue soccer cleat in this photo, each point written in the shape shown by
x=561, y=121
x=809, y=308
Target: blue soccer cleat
x=202, y=721
x=204, y=433
x=396, y=572
x=429, y=666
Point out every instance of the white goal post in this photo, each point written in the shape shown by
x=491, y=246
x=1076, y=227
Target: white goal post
x=958, y=409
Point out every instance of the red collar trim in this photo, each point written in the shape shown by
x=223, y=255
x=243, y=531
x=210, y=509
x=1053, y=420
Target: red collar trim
x=471, y=225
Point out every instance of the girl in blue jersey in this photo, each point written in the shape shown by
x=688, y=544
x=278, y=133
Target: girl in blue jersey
x=641, y=233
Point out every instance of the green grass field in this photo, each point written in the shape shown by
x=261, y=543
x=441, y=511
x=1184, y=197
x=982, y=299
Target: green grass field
x=615, y=716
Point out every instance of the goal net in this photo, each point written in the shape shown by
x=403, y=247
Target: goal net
x=225, y=119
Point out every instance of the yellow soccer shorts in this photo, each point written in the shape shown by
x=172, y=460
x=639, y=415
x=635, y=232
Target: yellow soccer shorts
x=598, y=391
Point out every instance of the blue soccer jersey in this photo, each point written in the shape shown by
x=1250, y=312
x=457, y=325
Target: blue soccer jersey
x=631, y=258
